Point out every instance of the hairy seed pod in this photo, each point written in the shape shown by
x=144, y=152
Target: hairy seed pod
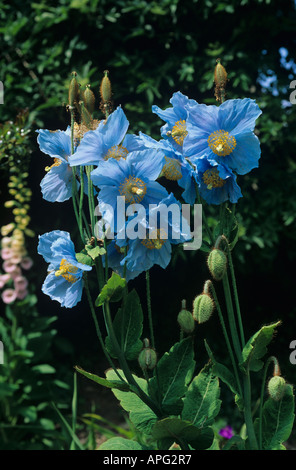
x=276, y=387
x=73, y=90
x=203, y=307
x=186, y=321
x=147, y=359
x=217, y=263
x=89, y=99
x=105, y=88
x=220, y=75
x=86, y=116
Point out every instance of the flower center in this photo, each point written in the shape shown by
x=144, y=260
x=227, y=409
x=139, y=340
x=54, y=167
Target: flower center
x=57, y=162
x=179, y=132
x=133, y=189
x=172, y=169
x=221, y=142
x=66, y=270
x=156, y=240
x=117, y=152
x=212, y=179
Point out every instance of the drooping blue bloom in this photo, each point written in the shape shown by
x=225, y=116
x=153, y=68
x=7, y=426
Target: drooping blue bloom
x=224, y=133
x=109, y=140
x=56, y=186
x=175, y=117
x=216, y=182
x=64, y=280
x=115, y=256
x=133, y=178
x=161, y=226
x=176, y=167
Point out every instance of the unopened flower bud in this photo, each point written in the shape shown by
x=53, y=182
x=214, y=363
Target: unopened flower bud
x=217, y=263
x=147, y=358
x=89, y=99
x=186, y=320
x=276, y=387
x=203, y=307
x=73, y=90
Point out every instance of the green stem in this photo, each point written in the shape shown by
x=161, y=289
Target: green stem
x=231, y=318
x=276, y=365
x=248, y=411
x=145, y=398
x=228, y=344
x=235, y=291
x=148, y=293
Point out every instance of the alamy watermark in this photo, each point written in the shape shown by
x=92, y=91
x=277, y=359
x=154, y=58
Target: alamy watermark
x=172, y=221
x=292, y=97
x=293, y=353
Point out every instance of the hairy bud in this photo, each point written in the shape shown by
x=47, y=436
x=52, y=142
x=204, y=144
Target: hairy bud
x=203, y=307
x=276, y=387
x=147, y=358
x=73, y=90
x=217, y=263
x=186, y=321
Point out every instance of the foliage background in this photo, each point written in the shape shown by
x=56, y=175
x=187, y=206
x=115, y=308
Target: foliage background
x=152, y=49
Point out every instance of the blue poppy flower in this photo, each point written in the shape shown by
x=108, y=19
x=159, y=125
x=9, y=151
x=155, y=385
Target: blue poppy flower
x=224, y=133
x=115, y=255
x=64, y=280
x=161, y=226
x=109, y=140
x=56, y=186
x=133, y=177
x=216, y=182
x=175, y=129
x=176, y=166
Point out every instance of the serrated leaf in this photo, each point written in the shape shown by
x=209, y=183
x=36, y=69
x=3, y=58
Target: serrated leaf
x=119, y=443
x=201, y=402
x=256, y=347
x=172, y=374
x=128, y=326
x=84, y=259
x=140, y=414
x=277, y=421
x=112, y=290
x=96, y=251
x=106, y=383
x=180, y=430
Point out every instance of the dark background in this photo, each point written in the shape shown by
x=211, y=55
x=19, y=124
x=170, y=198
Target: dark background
x=151, y=50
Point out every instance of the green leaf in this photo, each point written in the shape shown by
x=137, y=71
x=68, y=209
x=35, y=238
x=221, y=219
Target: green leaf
x=277, y=421
x=224, y=374
x=140, y=414
x=128, y=326
x=106, y=383
x=84, y=259
x=119, y=443
x=172, y=375
x=179, y=430
x=44, y=369
x=201, y=402
x=94, y=252
x=256, y=347
x=112, y=290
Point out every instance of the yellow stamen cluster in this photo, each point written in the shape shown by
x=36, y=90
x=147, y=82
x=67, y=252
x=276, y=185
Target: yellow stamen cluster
x=212, y=179
x=156, y=239
x=134, y=189
x=117, y=152
x=66, y=270
x=179, y=132
x=172, y=169
x=57, y=162
x=221, y=143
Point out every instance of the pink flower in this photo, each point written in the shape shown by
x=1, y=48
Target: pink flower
x=4, y=278
x=8, y=266
x=5, y=242
x=16, y=259
x=26, y=263
x=8, y=296
x=17, y=272
x=20, y=283
x=6, y=253
x=21, y=294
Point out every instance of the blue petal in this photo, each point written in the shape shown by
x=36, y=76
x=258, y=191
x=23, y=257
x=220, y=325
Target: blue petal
x=58, y=288
x=115, y=129
x=146, y=164
x=238, y=116
x=90, y=150
x=46, y=240
x=56, y=144
x=246, y=154
x=56, y=186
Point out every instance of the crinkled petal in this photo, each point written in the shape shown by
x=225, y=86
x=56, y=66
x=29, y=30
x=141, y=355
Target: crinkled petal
x=56, y=144
x=56, y=186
